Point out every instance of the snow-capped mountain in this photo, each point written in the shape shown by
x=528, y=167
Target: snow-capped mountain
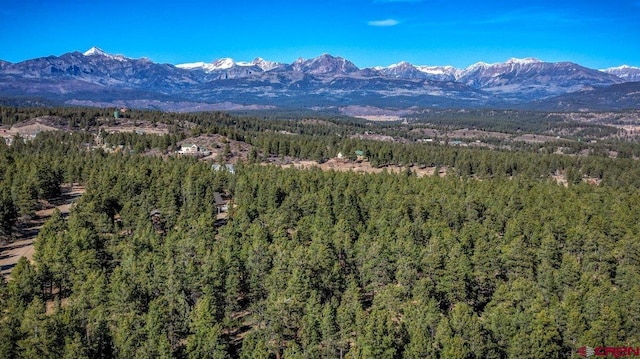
x=625, y=72
x=525, y=61
x=403, y=70
x=227, y=63
x=407, y=70
x=523, y=78
x=96, y=51
x=221, y=64
x=325, y=80
x=266, y=65
x=217, y=65
x=441, y=73
x=227, y=68
x=533, y=78
x=324, y=65
x=97, y=67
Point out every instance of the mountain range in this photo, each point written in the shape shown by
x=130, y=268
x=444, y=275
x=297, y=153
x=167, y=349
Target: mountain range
x=96, y=78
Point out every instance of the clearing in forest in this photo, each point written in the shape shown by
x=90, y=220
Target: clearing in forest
x=364, y=167
x=10, y=253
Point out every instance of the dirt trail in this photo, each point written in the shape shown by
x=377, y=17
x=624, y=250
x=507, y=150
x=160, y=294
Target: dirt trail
x=23, y=247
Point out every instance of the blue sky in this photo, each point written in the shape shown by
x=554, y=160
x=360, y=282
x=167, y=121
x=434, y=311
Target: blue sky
x=597, y=34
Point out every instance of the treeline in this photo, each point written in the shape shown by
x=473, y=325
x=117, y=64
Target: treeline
x=26, y=102
x=512, y=121
x=475, y=162
x=321, y=140
x=305, y=122
x=297, y=114
x=312, y=122
x=76, y=118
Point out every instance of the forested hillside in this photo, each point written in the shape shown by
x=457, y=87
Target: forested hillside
x=495, y=260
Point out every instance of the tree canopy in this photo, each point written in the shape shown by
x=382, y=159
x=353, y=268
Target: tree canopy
x=320, y=264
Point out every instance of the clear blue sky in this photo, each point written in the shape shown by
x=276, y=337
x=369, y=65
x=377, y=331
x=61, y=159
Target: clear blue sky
x=594, y=33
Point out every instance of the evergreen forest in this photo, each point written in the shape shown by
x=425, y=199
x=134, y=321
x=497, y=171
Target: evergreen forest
x=496, y=259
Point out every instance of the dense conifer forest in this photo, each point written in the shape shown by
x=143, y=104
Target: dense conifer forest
x=494, y=260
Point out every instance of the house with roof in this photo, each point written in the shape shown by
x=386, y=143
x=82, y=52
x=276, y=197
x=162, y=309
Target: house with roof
x=189, y=149
x=227, y=167
x=221, y=205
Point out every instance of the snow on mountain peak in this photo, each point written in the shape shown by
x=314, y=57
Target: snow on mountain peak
x=223, y=63
x=478, y=65
x=193, y=65
x=622, y=67
x=220, y=64
x=325, y=64
x=511, y=61
x=525, y=61
x=625, y=72
x=436, y=68
x=264, y=64
x=96, y=51
x=439, y=70
x=227, y=63
x=401, y=64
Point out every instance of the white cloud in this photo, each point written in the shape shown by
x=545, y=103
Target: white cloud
x=383, y=23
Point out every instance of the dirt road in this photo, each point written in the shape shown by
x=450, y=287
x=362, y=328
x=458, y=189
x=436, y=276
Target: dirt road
x=12, y=252
x=23, y=246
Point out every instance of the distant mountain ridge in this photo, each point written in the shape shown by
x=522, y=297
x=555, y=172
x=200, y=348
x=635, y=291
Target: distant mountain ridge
x=227, y=63
x=625, y=72
x=324, y=81
x=624, y=96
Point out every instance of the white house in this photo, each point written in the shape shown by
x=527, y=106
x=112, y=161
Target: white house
x=227, y=167
x=189, y=149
